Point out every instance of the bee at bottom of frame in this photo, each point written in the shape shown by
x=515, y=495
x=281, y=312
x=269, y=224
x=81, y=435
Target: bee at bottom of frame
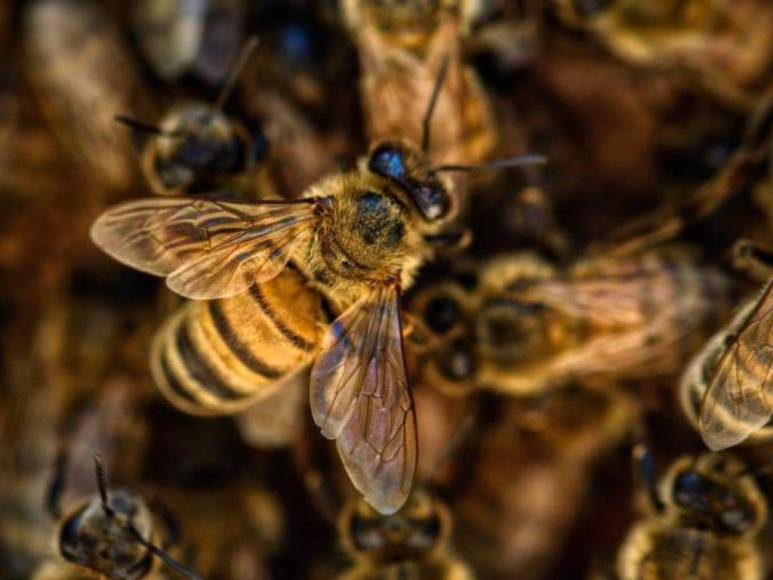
x=107, y=536
x=706, y=514
x=412, y=543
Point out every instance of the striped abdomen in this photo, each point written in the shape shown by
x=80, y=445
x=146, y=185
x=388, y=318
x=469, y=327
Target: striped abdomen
x=219, y=356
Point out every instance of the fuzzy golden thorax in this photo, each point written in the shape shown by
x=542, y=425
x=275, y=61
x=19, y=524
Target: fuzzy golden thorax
x=373, y=222
x=105, y=543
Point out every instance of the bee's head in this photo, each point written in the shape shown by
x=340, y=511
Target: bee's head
x=415, y=531
x=714, y=491
x=197, y=147
x=408, y=22
x=408, y=169
x=103, y=539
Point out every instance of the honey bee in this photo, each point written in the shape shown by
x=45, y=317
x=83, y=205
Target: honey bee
x=197, y=147
x=412, y=543
x=108, y=536
x=527, y=325
x=401, y=46
x=180, y=36
x=725, y=388
x=358, y=237
x=726, y=44
x=81, y=75
x=705, y=514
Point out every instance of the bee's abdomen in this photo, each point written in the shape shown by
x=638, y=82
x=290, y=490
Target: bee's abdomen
x=219, y=356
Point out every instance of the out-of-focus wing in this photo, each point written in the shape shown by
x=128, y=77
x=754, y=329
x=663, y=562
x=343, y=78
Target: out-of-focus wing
x=360, y=397
x=738, y=400
x=206, y=249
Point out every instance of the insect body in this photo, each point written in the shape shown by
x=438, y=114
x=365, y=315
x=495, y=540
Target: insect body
x=707, y=511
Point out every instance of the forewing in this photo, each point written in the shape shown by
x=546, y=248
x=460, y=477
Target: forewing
x=360, y=397
x=206, y=249
x=738, y=400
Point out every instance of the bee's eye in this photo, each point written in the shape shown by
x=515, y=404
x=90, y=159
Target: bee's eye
x=432, y=199
x=441, y=314
x=387, y=161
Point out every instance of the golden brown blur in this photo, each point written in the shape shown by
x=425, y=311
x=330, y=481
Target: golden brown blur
x=386, y=289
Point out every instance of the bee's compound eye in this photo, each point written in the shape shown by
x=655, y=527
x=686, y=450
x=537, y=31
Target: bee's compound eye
x=441, y=314
x=387, y=161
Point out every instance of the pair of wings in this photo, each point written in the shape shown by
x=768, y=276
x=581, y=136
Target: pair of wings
x=739, y=398
x=208, y=249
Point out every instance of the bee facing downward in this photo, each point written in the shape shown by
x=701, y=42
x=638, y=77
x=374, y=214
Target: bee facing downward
x=197, y=147
x=707, y=512
x=108, y=536
x=358, y=237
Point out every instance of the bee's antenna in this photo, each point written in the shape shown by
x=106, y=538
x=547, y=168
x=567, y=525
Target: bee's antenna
x=233, y=76
x=102, y=484
x=425, y=124
x=645, y=463
x=520, y=161
x=57, y=484
x=161, y=554
x=138, y=125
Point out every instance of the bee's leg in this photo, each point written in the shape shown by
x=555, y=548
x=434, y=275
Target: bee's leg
x=753, y=259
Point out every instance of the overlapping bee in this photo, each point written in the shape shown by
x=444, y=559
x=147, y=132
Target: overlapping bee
x=111, y=535
x=412, y=543
x=527, y=325
x=704, y=517
x=82, y=74
x=358, y=237
x=725, y=389
x=197, y=148
x=401, y=46
x=728, y=45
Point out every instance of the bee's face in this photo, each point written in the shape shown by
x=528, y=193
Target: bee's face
x=199, y=146
x=418, y=528
x=511, y=331
x=712, y=491
x=403, y=17
x=90, y=538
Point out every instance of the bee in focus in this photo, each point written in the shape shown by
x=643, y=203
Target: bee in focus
x=727, y=43
x=412, y=543
x=527, y=325
x=401, y=46
x=81, y=74
x=725, y=389
x=358, y=237
x=188, y=36
x=197, y=148
x=704, y=516
x=107, y=536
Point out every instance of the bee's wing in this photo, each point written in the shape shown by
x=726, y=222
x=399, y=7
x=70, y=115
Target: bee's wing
x=205, y=248
x=738, y=400
x=360, y=397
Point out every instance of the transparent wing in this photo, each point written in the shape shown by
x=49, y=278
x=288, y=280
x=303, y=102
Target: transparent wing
x=360, y=397
x=206, y=249
x=738, y=400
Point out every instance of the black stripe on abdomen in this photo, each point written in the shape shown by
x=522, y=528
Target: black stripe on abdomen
x=242, y=352
x=297, y=340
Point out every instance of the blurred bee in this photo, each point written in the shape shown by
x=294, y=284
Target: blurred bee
x=401, y=46
x=412, y=543
x=81, y=74
x=358, y=237
x=703, y=519
x=528, y=325
x=181, y=36
x=725, y=388
x=727, y=44
x=197, y=148
x=107, y=536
